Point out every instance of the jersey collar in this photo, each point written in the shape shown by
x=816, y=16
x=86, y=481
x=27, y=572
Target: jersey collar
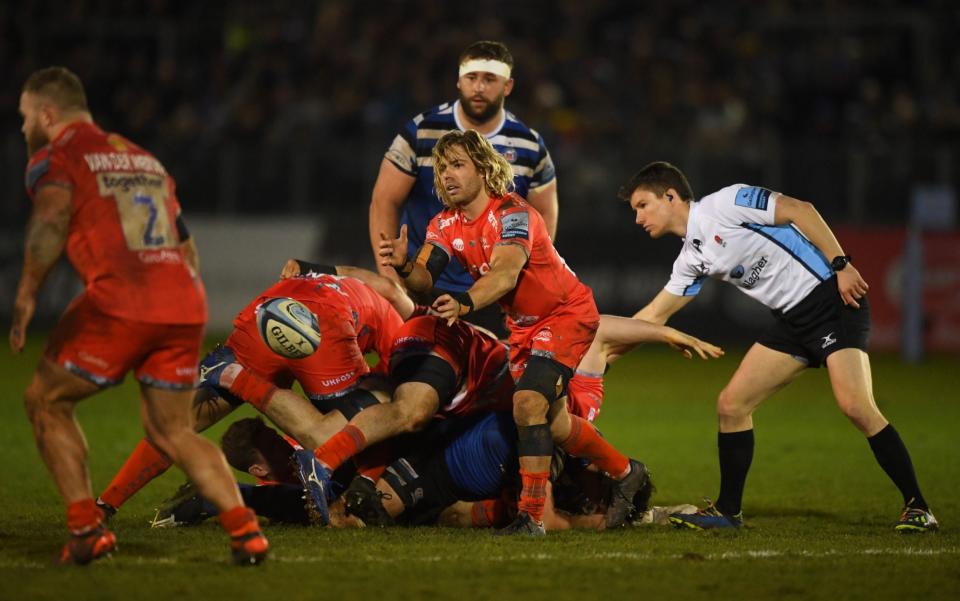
x=694, y=234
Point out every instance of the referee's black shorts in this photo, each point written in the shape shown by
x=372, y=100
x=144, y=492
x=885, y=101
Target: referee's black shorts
x=819, y=325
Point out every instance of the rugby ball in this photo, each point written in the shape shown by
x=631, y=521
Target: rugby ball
x=288, y=327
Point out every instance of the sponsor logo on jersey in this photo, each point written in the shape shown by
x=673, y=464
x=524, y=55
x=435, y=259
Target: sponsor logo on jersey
x=755, y=272
x=338, y=379
x=753, y=197
x=543, y=336
x=98, y=361
x=442, y=223
x=515, y=225
x=697, y=244
x=737, y=272
x=493, y=221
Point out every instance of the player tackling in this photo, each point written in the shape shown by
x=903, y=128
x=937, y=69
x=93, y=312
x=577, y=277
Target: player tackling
x=112, y=207
x=775, y=249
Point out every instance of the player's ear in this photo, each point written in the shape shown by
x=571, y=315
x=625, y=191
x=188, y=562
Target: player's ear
x=508, y=87
x=258, y=470
x=671, y=194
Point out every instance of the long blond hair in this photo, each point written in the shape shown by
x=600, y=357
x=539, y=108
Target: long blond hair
x=496, y=171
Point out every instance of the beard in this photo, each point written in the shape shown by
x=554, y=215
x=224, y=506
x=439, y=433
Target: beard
x=485, y=114
x=36, y=140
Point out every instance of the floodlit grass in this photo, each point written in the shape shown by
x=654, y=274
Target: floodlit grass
x=819, y=509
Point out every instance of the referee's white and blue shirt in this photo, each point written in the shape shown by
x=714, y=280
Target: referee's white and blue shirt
x=411, y=152
x=731, y=236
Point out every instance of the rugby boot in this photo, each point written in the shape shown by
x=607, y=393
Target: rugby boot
x=707, y=518
x=916, y=521
x=363, y=500
x=185, y=508
x=316, y=482
x=248, y=545
x=213, y=365
x=108, y=510
x=621, y=501
x=87, y=545
x=523, y=524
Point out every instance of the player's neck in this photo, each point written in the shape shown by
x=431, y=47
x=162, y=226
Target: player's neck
x=57, y=128
x=482, y=127
x=477, y=206
x=681, y=218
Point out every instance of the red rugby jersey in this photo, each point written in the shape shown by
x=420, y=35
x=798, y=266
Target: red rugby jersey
x=123, y=238
x=545, y=284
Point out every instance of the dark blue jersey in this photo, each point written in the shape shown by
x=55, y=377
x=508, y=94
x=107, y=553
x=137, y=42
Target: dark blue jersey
x=479, y=459
x=411, y=152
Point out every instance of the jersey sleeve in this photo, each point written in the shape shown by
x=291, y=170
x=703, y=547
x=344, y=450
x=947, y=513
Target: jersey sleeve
x=45, y=168
x=402, y=152
x=435, y=236
x=687, y=276
x=518, y=226
x=544, y=172
x=746, y=204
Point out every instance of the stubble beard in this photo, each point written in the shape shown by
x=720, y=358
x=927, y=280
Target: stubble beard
x=488, y=113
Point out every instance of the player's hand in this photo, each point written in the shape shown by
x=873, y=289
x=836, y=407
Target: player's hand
x=688, y=345
x=23, y=309
x=851, y=285
x=290, y=269
x=393, y=252
x=449, y=308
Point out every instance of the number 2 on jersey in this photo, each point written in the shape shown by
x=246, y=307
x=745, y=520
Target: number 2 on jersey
x=142, y=208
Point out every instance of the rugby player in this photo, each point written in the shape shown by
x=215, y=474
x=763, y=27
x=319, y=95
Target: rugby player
x=779, y=251
x=504, y=246
x=404, y=191
x=112, y=206
x=354, y=320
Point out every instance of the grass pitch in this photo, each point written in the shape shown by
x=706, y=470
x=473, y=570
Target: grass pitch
x=819, y=509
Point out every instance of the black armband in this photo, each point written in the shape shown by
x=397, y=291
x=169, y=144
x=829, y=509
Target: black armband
x=182, y=230
x=306, y=268
x=465, y=301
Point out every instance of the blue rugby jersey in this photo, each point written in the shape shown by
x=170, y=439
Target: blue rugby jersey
x=411, y=153
x=480, y=458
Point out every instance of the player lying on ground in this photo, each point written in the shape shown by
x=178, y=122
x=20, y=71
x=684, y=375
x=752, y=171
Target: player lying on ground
x=456, y=473
x=775, y=249
x=112, y=206
x=354, y=320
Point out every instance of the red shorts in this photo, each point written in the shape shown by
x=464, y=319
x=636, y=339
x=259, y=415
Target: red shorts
x=328, y=373
x=563, y=337
x=102, y=348
x=478, y=361
x=585, y=395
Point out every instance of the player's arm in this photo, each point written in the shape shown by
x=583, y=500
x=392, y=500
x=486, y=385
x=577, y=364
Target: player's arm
x=619, y=335
x=544, y=200
x=506, y=262
x=662, y=307
x=418, y=273
x=807, y=219
x=385, y=287
x=389, y=193
x=45, y=238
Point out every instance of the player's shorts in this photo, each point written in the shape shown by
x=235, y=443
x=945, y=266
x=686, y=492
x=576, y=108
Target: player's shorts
x=819, y=325
x=585, y=395
x=102, y=348
x=321, y=377
x=478, y=362
x=563, y=338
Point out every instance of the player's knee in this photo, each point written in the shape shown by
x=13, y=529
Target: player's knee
x=529, y=407
x=861, y=412
x=733, y=406
x=416, y=414
x=40, y=401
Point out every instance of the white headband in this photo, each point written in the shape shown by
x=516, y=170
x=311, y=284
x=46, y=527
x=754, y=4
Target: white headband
x=485, y=65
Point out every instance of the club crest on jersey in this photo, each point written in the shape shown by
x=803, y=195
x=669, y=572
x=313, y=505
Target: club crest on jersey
x=458, y=244
x=510, y=154
x=719, y=241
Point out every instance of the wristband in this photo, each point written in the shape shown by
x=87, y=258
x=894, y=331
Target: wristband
x=405, y=270
x=465, y=301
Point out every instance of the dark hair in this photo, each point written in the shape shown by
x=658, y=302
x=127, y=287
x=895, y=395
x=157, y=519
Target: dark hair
x=658, y=177
x=489, y=50
x=238, y=442
x=60, y=86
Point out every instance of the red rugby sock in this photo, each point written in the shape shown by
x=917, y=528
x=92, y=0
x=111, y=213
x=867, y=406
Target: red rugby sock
x=487, y=513
x=342, y=446
x=83, y=515
x=239, y=521
x=533, y=495
x=585, y=442
x=252, y=388
x=143, y=465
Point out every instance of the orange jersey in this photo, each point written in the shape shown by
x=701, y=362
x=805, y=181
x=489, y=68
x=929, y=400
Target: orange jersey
x=354, y=320
x=123, y=239
x=545, y=286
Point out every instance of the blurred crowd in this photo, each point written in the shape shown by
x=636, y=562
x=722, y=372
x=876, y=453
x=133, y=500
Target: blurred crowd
x=294, y=97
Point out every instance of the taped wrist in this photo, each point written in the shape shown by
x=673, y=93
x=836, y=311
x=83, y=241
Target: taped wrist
x=253, y=389
x=465, y=301
x=308, y=268
x=406, y=269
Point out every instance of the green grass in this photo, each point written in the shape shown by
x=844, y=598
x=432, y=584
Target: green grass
x=819, y=509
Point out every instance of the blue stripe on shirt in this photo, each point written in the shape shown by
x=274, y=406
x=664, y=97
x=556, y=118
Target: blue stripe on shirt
x=797, y=246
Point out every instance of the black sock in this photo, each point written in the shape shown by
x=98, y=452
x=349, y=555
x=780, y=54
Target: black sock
x=736, y=455
x=893, y=457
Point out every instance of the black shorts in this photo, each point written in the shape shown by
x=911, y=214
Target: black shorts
x=424, y=485
x=819, y=325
